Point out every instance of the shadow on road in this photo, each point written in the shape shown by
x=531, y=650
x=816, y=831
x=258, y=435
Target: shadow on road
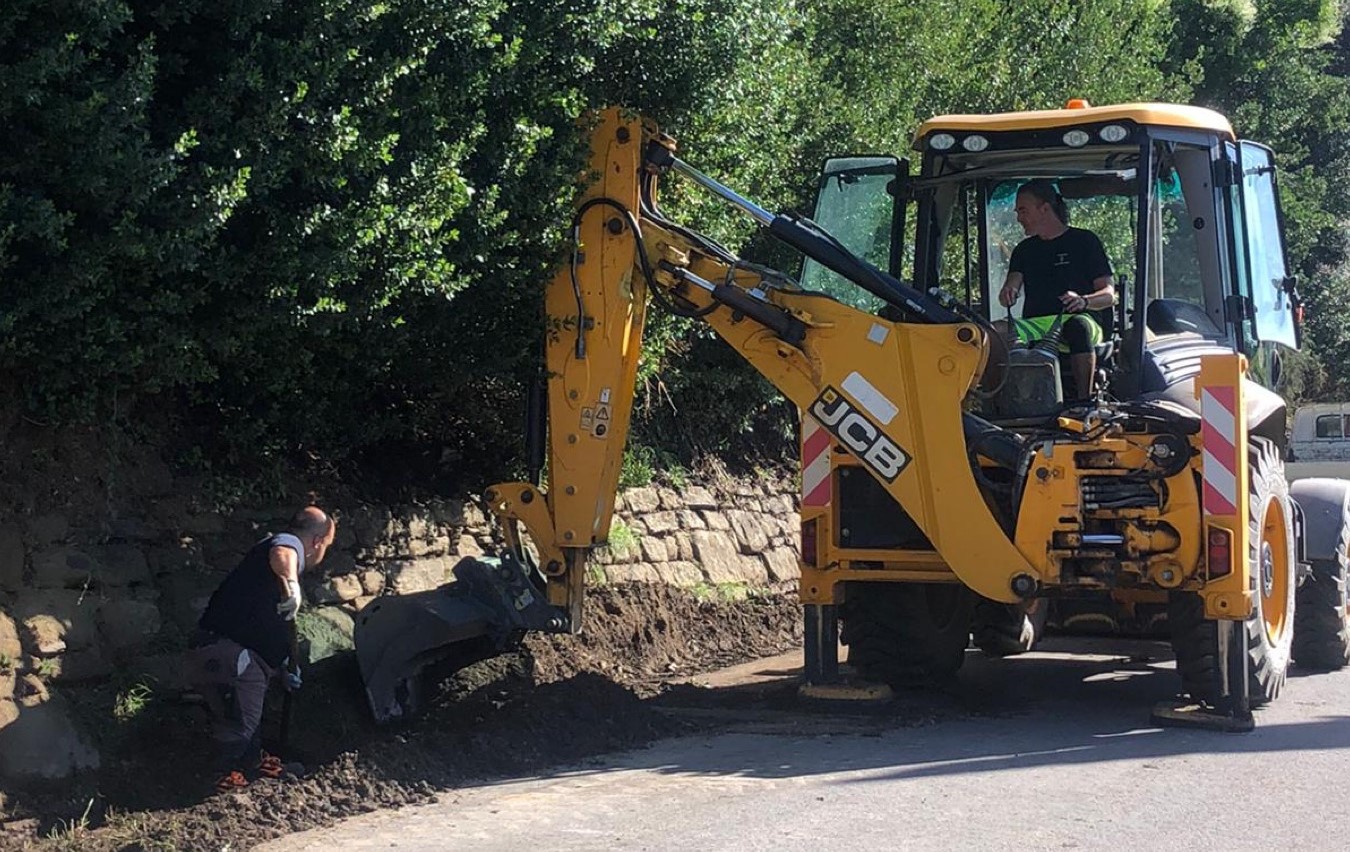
x=1050, y=708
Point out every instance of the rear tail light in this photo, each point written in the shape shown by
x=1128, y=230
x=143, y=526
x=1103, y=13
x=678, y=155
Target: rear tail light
x=1219, y=552
x=809, y=542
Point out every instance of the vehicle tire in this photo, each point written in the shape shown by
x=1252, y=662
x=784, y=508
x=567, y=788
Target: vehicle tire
x=1270, y=630
x=905, y=634
x=1322, y=637
x=1005, y=630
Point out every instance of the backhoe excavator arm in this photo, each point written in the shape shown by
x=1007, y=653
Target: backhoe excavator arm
x=891, y=393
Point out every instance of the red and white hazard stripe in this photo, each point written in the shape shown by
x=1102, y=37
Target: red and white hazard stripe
x=815, y=463
x=1218, y=432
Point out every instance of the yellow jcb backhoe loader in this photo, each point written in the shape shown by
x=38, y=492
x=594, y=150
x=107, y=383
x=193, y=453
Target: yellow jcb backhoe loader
x=947, y=484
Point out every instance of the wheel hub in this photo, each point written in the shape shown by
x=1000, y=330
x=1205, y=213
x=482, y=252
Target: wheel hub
x=1267, y=570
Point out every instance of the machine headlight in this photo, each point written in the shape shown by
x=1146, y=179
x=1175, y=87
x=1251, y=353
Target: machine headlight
x=1113, y=133
x=975, y=144
x=941, y=141
x=1076, y=138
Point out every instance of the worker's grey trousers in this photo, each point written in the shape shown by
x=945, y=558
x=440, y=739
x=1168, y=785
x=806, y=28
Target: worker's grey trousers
x=233, y=680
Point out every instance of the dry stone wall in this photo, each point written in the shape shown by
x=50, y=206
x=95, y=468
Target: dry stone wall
x=78, y=605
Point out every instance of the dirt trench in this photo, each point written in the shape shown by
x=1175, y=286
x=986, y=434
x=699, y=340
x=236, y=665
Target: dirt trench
x=558, y=699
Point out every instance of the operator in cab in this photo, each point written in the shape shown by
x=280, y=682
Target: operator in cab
x=1063, y=270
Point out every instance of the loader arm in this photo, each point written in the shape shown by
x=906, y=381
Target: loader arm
x=890, y=392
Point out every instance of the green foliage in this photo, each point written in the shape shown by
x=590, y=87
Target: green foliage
x=621, y=535
x=131, y=702
x=319, y=229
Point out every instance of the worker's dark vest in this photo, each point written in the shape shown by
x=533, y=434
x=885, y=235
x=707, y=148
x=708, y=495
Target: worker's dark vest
x=244, y=607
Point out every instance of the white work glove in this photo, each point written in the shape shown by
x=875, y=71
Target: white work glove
x=291, y=605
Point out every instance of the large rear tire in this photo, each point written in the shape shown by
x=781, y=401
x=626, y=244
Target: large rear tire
x=1005, y=630
x=1270, y=629
x=905, y=634
x=1322, y=640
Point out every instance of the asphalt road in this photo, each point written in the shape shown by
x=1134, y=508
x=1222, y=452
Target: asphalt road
x=1047, y=751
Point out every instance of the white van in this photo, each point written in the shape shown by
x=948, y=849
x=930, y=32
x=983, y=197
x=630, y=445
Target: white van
x=1319, y=443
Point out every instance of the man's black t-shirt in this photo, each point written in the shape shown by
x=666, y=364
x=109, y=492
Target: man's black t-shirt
x=1071, y=261
x=244, y=607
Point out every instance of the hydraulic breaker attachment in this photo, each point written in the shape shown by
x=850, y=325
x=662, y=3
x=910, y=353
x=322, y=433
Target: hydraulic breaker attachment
x=488, y=609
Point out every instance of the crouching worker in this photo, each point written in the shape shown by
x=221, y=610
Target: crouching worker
x=245, y=639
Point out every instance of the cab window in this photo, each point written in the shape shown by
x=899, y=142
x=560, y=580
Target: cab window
x=1329, y=426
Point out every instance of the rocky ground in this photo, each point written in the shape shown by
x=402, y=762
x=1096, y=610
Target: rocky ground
x=557, y=700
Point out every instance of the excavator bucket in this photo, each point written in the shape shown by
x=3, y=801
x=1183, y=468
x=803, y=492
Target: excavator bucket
x=486, y=610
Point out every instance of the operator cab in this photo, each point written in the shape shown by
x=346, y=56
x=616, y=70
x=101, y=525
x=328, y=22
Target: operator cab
x=1188, y=215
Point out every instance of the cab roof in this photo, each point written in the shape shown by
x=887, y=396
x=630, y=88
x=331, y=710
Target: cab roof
x=1147, y=114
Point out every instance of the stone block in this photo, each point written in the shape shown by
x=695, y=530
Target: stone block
x=690, y=520
x=418, y=575
x=348, y=587
x=716, y=555
x=715, y=520
x=372, y=582
x=202, y=524
x=683, y=546
x=363, y=602
x=184, y=554
x=685, y=575
x=113, y=566
x=133, y=530
x=11, y=650
x=371, y=525
x=42, y=743
x=57, y=619
x=661, y=522
x=698, y=497
x=642, y=500
x=750, y=534
x=638, y=572
x=337, y=562
x=127, y=626
x=467, y=545
x=654, y=549
x=46, y=635
x=753, y=570
x=669, y=500
x=344, y=538
x=48, y=529
x=782, y=564
x=783, y=505
x=63, y=568
x=12, y=557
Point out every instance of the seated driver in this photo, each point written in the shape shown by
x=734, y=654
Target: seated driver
x=1063, y=269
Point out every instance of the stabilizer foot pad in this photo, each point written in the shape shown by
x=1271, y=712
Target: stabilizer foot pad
x=1184, y=714
x=858, y=692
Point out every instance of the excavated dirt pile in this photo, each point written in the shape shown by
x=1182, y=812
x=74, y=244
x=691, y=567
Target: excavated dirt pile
x=557, y=700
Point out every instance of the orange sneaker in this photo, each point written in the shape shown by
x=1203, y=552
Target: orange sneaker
x=270, y=766
x=231, y=782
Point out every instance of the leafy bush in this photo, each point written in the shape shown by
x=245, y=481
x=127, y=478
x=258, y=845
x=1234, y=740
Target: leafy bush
x=318, y=229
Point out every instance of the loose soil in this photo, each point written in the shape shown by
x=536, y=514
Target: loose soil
x=559, y=699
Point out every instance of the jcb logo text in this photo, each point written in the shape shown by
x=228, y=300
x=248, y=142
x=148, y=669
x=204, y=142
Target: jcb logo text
x=859, y=434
